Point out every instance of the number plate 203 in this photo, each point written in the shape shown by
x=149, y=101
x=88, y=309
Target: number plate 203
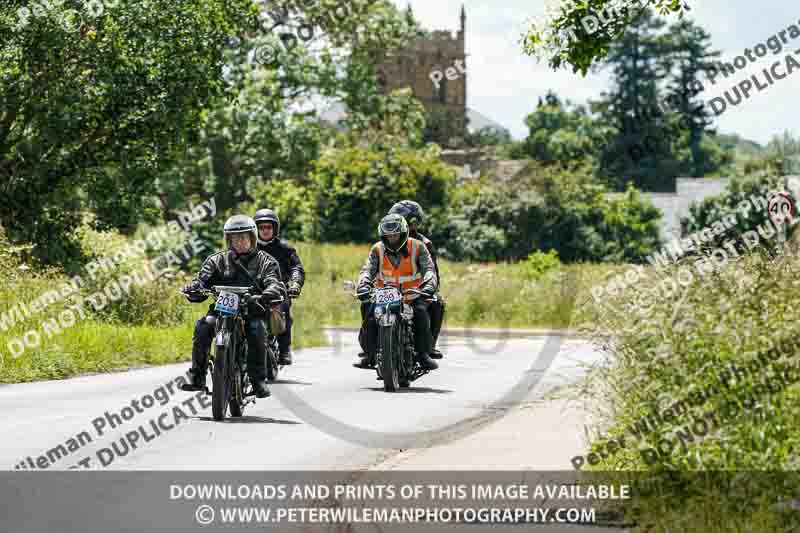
x=227, y=303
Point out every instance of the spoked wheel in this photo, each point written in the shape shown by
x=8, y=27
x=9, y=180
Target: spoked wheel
x=408, y=357
x=221, y=393
x=272, y=360
x=237, y=398
x=389, y=346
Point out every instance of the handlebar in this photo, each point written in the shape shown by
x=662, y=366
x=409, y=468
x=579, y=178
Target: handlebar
x=246, y=297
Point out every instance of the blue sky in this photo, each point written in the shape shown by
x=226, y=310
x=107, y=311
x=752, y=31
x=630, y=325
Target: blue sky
x=504, y=84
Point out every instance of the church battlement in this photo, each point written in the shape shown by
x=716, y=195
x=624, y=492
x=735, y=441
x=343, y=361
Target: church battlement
x=412, y=67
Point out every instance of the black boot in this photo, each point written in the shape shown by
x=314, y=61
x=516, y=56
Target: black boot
x=426, y=362
x=285, y=359
x=260, y=388
x=201, y=344
x=365, y=361
x=257, y=357
x=198, y=382
x=436, y=354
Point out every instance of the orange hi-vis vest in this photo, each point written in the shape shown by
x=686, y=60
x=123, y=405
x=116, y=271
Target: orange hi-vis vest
x=406, y=274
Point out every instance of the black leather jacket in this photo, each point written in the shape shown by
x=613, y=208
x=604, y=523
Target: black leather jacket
x=287, y=258
x=431, y=250
x=255, y=268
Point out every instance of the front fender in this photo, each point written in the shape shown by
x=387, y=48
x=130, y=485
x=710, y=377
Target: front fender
x=387, y=319
x=223, y=338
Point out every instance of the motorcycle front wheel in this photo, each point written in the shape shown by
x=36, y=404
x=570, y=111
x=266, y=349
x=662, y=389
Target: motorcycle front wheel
x=390, y=345
x=221, y=392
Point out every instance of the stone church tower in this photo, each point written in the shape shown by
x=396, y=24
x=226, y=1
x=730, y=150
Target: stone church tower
x=414, y=67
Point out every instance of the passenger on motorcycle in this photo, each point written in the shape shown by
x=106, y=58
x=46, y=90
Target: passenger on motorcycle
x=397, y=258
x=292, y=272
x=241, y=265
x=412, y=212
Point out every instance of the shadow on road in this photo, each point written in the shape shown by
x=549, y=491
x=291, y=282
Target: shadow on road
x=412, y=389
x=250, y=420
x=289, y=382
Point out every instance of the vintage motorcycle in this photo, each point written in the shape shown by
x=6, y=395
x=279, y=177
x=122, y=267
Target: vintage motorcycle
x=396, y=362
x=227, y=363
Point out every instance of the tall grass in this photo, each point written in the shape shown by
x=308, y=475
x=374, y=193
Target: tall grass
x=679, y=347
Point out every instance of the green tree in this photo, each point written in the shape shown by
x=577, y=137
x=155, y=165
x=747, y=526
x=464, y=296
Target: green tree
x=640, y=147
x=357, y=180
x=569, y=37
x=441, y=127
x=561, y=133
x=270, y=131
x=91, y=113
x=785, y=149
x=688, y=54
x=550, y=209
x=488, y=136
x=711, y=210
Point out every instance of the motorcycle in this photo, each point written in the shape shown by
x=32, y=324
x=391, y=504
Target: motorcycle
x=228, y=360
x=396, y=361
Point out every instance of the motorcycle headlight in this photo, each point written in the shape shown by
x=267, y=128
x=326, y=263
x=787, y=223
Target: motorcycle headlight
x=380, y=310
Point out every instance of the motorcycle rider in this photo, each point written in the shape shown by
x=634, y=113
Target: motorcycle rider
x=414, y=215
x=292, y=272
x=400, y=258
x=241, y=265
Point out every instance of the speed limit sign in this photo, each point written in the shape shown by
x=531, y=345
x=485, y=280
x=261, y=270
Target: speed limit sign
x=780, y=207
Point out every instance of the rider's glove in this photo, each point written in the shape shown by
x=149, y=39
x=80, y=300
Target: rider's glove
x=254, y=306
x=428, y=290
x=294, y=289
x=364, y=294
x=193, y=287
x=192, y=292
x=271, y=293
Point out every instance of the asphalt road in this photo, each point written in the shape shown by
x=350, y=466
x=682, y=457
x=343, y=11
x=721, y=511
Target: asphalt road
x=340, y=425
x=324, y=415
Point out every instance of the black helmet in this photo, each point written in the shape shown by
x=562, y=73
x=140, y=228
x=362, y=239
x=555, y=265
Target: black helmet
x=410, y=210
x=392, y=225
x=240, y=224
x=268, y=215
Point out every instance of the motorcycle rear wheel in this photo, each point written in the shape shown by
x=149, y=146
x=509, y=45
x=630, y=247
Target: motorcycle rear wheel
x=272, y=359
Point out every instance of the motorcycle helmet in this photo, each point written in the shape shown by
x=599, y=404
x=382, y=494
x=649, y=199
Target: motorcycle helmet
x=240, y=224
x=393, y=224
x=410, y=210
x=268, y=215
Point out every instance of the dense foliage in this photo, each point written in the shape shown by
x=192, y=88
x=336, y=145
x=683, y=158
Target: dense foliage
x=740, y=190
x=562, y=39
x=565, y=211
x=135, y=109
